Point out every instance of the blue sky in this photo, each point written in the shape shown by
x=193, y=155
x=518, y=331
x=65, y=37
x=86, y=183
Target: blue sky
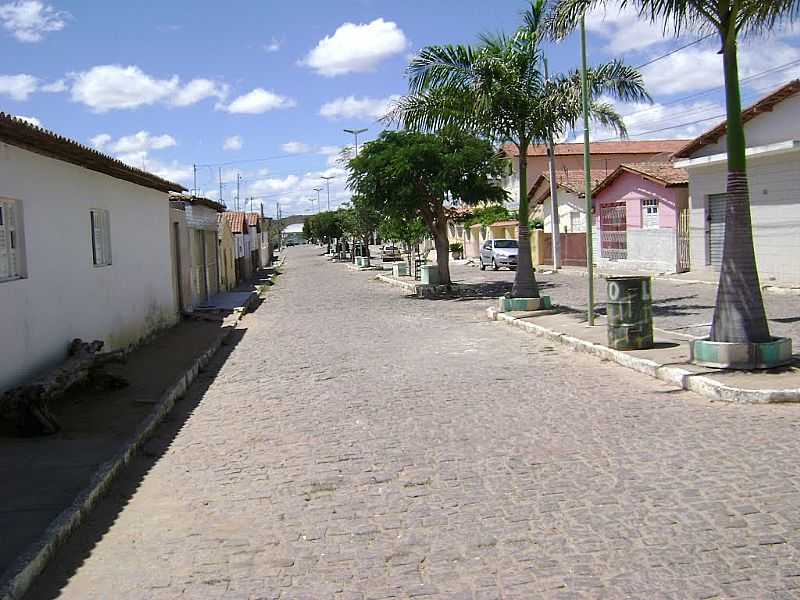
x=163, y=85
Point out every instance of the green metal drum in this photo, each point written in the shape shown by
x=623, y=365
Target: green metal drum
x=630, y=313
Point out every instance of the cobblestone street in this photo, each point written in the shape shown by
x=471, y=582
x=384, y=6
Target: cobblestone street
x=356, y=443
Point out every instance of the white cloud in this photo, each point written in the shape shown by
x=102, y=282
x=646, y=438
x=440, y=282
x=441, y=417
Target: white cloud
x=18, y=87
x=31, y=20
x=55, y=87
x=233, y=143
x=294, y=192
x=332, y=153
x=134, y=150
x=273, y=46
x=100, y=140
x=197, y=90
x=623, y=29
x=356, y=48
x=114, y=87
x=700, y=67
x=32, y=120
x=258, y=101
x=295, y=148
x=357, y=108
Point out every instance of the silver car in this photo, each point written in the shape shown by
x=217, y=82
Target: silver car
x=499, y=253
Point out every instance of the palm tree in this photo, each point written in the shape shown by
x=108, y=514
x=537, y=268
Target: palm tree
x=498, y=89
x=739, y=311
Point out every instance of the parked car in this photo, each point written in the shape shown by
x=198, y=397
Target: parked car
x=390, y=252
x=499, y=253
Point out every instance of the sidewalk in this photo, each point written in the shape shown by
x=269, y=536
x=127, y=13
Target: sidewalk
x=667, y=360
x=51, y=483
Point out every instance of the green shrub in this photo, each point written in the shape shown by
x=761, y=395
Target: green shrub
x=456, y=247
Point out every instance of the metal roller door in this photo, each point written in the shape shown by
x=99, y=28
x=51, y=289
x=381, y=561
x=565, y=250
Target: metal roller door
x=716, y=229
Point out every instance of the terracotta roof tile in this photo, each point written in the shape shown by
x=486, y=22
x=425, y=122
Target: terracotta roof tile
x=622, y=147
x=236, y=221
x=661, y=172
x=714, y=134
x=504, y=224
x=22, y=134
x=571, y=181
x=252, y=218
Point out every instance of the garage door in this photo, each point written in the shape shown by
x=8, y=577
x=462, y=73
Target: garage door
x=716, y=228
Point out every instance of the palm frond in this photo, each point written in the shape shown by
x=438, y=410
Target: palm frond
x=618, y=80
x=604, y=114
x=440, y=66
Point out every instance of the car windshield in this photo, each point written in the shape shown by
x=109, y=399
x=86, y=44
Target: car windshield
x=505, y=243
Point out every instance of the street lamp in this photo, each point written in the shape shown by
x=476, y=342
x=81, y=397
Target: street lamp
x=327, y=179
x=318, y=190
x=355, y=133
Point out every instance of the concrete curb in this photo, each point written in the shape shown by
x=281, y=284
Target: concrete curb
x=677, y=376
x=19, y=577
x=411, y=287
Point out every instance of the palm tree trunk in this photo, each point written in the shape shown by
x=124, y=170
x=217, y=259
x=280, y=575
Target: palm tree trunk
x=442, y=244
x=739, y=312
x=524, y=280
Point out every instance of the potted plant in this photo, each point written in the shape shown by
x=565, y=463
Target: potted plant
x=456, y=250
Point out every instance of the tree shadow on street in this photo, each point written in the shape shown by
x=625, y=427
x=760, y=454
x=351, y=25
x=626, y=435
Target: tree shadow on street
x=69, y=558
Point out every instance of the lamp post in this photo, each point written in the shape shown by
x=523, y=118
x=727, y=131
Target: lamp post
x=318, y=190
x=327, y=179
x=587, y=166
x=355, y=133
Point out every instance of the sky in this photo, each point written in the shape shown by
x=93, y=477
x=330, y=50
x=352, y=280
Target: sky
x=262, y=90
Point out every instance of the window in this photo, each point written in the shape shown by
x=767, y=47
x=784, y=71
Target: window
x=488, y=245
x=101, y=237
x=649, y=213
x=10, y=233
x=505, y=244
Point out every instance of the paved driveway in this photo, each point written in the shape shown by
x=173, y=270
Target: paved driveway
x=360, y=444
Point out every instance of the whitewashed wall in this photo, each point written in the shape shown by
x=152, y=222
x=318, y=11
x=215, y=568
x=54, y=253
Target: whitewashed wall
x=63, y=295
x=571, y=213
x=775, y=211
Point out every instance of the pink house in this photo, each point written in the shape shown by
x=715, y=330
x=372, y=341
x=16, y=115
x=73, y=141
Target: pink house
x=641, y=218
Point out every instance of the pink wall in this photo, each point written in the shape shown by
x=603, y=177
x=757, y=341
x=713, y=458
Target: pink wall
x=633, y=189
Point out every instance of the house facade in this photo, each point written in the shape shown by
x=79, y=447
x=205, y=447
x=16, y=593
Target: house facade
x=197, y=233
x=242, y=244
x=571, y=200
x=641, y=218
x=85, y=250
x=772, y=133
x=604, y=157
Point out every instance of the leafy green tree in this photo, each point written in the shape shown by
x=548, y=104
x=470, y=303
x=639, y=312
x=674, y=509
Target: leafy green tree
x=498, y=89
x=410, y=230
x=486, y=215
x=739, y=314
x=358, y=221
x=409, y=174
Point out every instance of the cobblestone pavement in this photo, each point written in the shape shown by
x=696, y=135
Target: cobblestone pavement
x=360, y=444
x=677, y=306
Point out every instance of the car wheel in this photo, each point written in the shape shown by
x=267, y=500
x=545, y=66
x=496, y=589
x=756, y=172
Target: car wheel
x=494, y=265
x=483, y=266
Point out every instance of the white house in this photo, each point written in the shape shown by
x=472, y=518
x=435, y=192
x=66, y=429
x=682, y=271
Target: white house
x=571, y=199
x=85, y=250
x=242, y=244
x=772, y=133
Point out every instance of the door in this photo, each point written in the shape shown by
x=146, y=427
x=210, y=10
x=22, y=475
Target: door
x=715, y=232
x=212, y=274
x=684, y=259
x=198, y=251
x=614, y=231
x=176, y=252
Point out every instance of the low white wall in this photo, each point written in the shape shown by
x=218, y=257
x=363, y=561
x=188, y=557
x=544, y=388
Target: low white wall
x=63, y=295
x=652, y=250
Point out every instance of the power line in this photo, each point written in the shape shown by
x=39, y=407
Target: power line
x=670, y=53
x=253, y=160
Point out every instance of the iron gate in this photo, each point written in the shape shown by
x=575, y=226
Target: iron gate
x=684, y=259
x=613, y=231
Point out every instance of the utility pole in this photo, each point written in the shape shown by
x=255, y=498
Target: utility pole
x=327, y=179
x=587, y=168
x=355, y=133
x=194, y=170
x=238, y=182
x=220, y=185
x=551, y=162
